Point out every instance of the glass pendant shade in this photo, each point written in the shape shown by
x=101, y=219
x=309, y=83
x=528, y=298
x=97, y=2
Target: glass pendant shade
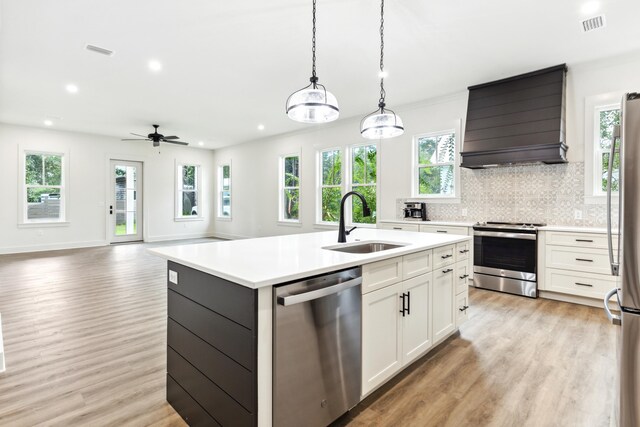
x=313, y=105
x=381, y=125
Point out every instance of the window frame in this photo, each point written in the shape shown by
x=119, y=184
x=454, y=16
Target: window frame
x=180, y=191
x=282, y=188
x=23, y=204
x=346, y=182
x=415, y=166
x=592, y=181
x=220, y=190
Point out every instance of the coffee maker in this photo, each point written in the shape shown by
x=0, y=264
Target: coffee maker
x=416, y=211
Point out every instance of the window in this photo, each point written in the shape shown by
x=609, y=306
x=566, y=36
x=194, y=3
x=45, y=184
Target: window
x=605, y=119
x=188, y=201
x=330, y=184
x=435, y=171
x=364, y=173
x=44, y=189
x=224, y=191
x=290, y=188
x=361, y=172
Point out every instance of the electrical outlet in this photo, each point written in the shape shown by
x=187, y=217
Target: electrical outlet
x=577, y=214
x=173, y=277
x=463, y=211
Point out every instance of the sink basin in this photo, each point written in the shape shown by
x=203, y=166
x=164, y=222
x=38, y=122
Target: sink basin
x=365, y=247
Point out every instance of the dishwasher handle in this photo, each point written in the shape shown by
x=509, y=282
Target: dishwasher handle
x=319, y=293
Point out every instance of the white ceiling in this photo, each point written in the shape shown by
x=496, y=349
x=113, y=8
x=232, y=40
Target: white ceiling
x=230, y=65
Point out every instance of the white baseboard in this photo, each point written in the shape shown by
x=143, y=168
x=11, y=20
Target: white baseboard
x=575, y=299
x=168, y=237
x=51, y=247
x=230, y=236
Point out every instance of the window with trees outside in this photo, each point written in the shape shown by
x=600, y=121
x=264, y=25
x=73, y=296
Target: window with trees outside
x=224, y=191
x=188, y=192
x=44, y=190
x=606, y=118
x=435, y=170
x=290, y=188
x=361, y=170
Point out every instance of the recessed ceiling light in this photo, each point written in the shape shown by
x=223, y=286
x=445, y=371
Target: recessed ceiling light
x=155, y=66
x=260, y=127
x=200, y=143
x=383, y=74
x=71, y=88
x=590, y=7
x=48, y=122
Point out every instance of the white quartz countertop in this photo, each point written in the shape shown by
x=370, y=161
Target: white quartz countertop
x=267, y=261
x=420, y=222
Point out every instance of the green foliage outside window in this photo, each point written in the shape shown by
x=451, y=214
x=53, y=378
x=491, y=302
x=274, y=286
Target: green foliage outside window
x=42, y=171
x=291, y=200
x=331, y=192
x=608, y=119
x=364, y=173
x=436, y=155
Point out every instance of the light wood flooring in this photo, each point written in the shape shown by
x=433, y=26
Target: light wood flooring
x=85, y=335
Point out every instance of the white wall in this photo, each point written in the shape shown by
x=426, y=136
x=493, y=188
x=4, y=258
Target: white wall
x=255, y=164
x=87, y=188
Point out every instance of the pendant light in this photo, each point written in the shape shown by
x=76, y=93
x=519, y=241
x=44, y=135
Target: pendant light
x=383, y=122
x=313, y=103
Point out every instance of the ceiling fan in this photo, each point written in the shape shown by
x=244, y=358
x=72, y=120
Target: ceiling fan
x=157, y=137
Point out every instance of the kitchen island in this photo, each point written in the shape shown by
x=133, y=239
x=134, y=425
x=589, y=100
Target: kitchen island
x=221, y=312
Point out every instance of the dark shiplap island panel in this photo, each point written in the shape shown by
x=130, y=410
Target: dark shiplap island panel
x=211, y=349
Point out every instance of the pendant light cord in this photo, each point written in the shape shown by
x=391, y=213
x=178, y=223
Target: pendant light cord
x=314, y=78
x=382, y=92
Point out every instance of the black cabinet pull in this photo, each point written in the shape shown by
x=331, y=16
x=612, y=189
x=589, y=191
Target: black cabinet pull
x=397, y=228
x=402, y=297
x=448, y=270
x=464, y=251
x=584, y=284
x=408, y=303
x=441, y=231
x=584, y=240
x=584, y=259
x=446, y=256
x=463, y=308
x=464, y=276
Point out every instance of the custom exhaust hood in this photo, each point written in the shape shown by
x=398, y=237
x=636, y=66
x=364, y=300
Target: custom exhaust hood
x=519, y=119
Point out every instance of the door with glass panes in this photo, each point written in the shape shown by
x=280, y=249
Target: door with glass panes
x=125, y=206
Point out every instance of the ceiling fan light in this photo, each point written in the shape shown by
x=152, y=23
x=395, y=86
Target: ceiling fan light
x=381, y=125
x=312, y=105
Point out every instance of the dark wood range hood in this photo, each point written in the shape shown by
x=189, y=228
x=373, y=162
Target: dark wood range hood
x=519, y=119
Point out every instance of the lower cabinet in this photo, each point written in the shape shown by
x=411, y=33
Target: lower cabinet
x=462, y=305
x=397, y=330
x=443, y=293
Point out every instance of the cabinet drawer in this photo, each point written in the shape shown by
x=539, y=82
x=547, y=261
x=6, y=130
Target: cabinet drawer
x=583, y=284
x=400, y=227
x=416, y=264
x=582, y=240
x=380, y=274
x=578, y=259
x=462, y=305
x=463, y=250
x=444, y=229
x=462, y=274
x=444, y=255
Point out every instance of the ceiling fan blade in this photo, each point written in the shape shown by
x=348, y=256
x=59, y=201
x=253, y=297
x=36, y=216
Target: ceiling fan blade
x=176, y=142
x=136, y=139
x=137, y=134
x=171, y=137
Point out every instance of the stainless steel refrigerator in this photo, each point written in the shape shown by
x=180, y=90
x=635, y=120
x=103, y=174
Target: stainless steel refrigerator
x=625, y=259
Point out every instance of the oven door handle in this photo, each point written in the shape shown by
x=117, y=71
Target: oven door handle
x=505, y=235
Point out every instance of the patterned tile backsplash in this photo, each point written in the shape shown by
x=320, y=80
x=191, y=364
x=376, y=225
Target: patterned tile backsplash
x=525, y=193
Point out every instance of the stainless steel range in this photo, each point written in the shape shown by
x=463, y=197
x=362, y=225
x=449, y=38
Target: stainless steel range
x=505, y=257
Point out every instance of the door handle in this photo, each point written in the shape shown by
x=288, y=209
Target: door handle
x=464, y=276
x=402, y=297
x=448, y=270
x=616, y=320
x=319, y=293
x=408, y=302
x=110, y=209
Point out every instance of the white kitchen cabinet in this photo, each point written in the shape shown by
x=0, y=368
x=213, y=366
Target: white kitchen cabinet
x=463, y=250
x=442, y=307
x=445, y=229
x=462, y=274
x=398, y=227
x=462, y=305
x=416, y=264
x=380, y=274
x=443, y=256
x=381, y=336
x=416, y=324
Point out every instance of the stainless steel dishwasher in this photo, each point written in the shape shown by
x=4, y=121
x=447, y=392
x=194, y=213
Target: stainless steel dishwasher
x=316, y=349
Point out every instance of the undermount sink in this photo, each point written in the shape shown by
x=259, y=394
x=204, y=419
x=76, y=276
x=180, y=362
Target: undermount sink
x=365, y=247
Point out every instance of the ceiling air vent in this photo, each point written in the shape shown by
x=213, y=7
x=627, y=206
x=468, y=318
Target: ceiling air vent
x=593, y=23
x=98, y=49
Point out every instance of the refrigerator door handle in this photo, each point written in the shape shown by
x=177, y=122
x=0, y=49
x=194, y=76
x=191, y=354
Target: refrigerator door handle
x=613, y=318
x=615, y=265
